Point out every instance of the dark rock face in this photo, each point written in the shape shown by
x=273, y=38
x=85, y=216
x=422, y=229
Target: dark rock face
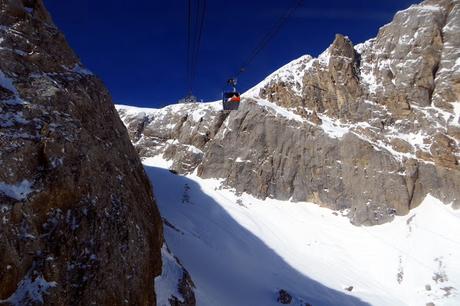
x=78, y=221
x=368, y=129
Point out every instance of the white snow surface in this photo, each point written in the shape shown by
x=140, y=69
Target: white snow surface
x=18, y=191
x=30, y=291
x=456, y=120
x=332, y=127
x=166, y=283
x=240, y=250
x=292, y=73
x=132, y=110
x=81, y=70
x=7, y=83
x=422, y=9
x=196, y=111
x=281, y=111
x=325, y=57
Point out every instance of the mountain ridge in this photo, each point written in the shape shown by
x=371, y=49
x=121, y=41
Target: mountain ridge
x=334, y=129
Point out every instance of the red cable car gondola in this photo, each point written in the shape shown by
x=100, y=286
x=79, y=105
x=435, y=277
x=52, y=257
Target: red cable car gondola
x=231, y=99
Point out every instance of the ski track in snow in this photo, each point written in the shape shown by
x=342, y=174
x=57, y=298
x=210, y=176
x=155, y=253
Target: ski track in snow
x=240, y=250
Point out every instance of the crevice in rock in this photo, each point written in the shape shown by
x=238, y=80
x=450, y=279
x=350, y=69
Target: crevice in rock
x=434, y=73
x=411, y=181
x=222, y=116
x=178, y=128
x=140, y=128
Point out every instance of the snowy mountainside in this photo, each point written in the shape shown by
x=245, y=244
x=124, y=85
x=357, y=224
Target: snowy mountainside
x=241, y=250
x=334, y=129
x=370, y=133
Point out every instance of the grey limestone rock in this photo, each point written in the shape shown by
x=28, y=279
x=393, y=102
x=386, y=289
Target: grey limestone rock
x=369, y=129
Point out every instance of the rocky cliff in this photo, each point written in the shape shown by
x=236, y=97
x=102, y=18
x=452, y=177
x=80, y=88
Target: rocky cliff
x=78, y=221
x=369, y=129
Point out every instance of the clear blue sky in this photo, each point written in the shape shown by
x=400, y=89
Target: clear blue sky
x=138, y=47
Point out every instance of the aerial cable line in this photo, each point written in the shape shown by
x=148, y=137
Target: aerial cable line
x=201, y=16
x=196, y=13
x=231, y=99
x=408, y=255
x=269, y=36
x=189, y=40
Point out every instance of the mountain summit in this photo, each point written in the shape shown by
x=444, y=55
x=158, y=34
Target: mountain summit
x=367, y=129
x=369, y=132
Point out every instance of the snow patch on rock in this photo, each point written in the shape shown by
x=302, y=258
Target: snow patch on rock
x=290, y=74
x=7, y=83
x=30, y=291
x=456, y=120
x=18, y=191
x=166, y=284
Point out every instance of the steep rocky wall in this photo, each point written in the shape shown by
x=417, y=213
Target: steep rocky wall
x=79, y=225
x=369, y=129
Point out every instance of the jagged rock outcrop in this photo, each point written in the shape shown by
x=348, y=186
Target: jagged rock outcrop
x=369, y=129
x=78, y=221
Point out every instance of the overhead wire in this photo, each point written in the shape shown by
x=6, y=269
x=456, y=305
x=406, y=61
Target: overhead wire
x=408, y=255
x=189, y=40
x=269, y=36
x=201, y=16
x=196, y=15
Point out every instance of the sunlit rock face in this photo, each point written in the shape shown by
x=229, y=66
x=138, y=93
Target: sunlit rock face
x=78, y=221
x=367, y=129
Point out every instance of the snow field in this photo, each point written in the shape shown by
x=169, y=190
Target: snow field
x=241, y=250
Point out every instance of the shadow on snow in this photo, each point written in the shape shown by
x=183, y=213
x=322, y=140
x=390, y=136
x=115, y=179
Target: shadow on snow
x=229, y=264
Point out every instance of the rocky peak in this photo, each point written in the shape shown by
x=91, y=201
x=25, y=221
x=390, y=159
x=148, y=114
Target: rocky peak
x=342, y=47
x=334, y=129
x=20, y=9
x=406, y=53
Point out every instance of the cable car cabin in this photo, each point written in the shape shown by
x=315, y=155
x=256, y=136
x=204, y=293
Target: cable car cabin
x=231, y=100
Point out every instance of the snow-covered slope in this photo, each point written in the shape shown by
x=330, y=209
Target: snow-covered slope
x=370, y=131
x=241, y=250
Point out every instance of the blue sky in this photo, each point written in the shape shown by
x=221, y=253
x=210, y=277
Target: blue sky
x=138, y=47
